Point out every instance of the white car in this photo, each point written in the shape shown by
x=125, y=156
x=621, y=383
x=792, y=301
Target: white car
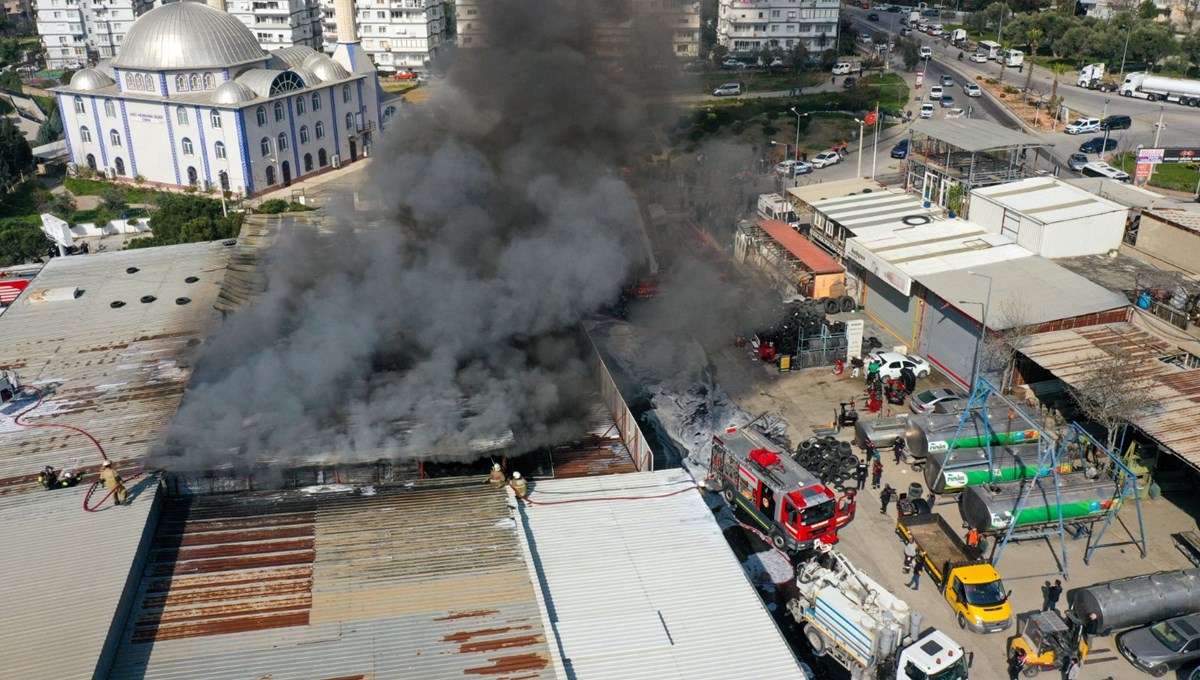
x=979, y=58
x=926, y=51
x=935, y=30
x=891, y=363
x=927, y=110
x=936, y=92
x=728, y=90
x=825, y=159
x=972, y=90
x=792, y=168
x=1082, y=125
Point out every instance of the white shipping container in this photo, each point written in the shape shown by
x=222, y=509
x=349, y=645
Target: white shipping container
x=1049, y=217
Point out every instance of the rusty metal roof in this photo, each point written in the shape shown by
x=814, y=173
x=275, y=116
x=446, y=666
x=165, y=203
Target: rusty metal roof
x=428, y=581
x=1071, y=355
x=117, y=372
x=639, y=582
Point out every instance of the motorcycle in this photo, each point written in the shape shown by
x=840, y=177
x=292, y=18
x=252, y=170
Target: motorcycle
x=960, y=56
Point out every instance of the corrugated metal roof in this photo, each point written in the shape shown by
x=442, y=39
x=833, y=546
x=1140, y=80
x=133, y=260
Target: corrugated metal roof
x=940, y=246
x=647, y=588
x=1183, y=217
x=1072, y=355
x=1041, y=290
x=1120, y=192
x=806, y=252
x=813, y=194
x=873, y=209
x=972, y=134
x=1048, y=200
x=425, y=582
x=118, y=373
x=64, y=574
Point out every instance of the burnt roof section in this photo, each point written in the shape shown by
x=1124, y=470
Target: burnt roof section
x=424, y=582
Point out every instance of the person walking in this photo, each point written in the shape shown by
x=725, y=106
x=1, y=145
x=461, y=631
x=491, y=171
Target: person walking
x=496, y=477
x=1016, y=663
x=910, y=554
x=1052, y=594
x=886, y=497
x=915, y=582
x=112, y=480
x=876, y=473
x=1046, y=595
x=519, y=485
x=860, y=474
x=898, y=450
x=872, y=371
x=1071, y=670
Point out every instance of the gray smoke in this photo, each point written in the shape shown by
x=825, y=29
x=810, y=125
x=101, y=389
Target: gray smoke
x=450, y=324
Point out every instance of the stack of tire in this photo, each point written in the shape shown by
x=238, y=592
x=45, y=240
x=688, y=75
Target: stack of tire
x=805, y=319
x=831, y=461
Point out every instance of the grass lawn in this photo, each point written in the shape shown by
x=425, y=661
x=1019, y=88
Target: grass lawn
x=92, y=187
x=756, y=81
x=397, y=86
x=1175, y=176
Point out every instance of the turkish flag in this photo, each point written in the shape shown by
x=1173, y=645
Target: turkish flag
x=870, y=119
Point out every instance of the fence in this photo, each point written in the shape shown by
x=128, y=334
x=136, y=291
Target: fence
x=623, y=417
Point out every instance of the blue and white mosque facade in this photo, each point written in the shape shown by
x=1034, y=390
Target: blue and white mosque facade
x=192, y=100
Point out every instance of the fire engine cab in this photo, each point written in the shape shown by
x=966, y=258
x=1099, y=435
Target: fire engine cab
x=786, y=501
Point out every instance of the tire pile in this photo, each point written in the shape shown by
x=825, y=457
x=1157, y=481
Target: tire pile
x=831, y=461
x=804, y=320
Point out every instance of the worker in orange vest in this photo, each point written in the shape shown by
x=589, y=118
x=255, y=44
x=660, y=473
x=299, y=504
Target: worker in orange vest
x=973, y=540
x=112, y=480
x=496, y=477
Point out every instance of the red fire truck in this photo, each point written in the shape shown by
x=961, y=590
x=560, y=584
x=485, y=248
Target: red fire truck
x=788, y=502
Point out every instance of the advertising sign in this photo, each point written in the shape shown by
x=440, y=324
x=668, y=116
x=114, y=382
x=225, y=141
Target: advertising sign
x=1180, y=155
x=1153, y=156
x=878, y=266
x=1142, y=173
x=854, y=338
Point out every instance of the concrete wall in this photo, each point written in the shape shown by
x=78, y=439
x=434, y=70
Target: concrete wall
x=1174, y=245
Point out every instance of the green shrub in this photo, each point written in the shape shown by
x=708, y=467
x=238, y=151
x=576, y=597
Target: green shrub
x=278, y=205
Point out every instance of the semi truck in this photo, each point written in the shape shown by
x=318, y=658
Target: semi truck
x=870, y=632
x=788, y=503
x=970, y=585
x=1158, y=88
x=1092, y=77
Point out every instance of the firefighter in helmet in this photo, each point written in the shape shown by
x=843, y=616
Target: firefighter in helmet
x=112, y=480
x=519, y=486
x=496, y=477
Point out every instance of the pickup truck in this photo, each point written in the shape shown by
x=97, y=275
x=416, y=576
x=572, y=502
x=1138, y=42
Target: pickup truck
x=970, y=585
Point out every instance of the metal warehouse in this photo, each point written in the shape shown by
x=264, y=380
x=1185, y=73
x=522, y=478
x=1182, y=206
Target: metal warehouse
x=1049, y=217
x=792, y=261
x=839, y=218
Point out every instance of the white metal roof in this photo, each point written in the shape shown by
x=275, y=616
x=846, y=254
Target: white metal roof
x=811, y=194
x=117, y=372
x=1048, y=200
x=1024, y=291
x=941, y=246
x=878, y=207
x=65, y=572
x=647, y=588
x=1125, y=194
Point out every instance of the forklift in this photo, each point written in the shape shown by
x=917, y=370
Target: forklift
x=1049, y=640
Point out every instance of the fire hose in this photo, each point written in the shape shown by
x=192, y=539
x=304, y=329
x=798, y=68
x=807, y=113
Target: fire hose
x=611, y=498
x=91, y=490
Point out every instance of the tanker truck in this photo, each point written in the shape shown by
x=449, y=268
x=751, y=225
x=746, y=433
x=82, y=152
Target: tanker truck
x=869, y=631
x=1158, y=88
x=991, y=508
x=954, y=470
x=931, y=434
x=1137, y=601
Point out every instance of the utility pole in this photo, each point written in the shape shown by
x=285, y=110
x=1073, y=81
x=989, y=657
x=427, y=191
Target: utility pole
x=1158, y=128
x=875, y=143
x=861, y=132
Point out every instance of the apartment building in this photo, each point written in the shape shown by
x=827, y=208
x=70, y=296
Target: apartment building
x=281, y=23
x=745, y=26
x=396, y=34
x=75, y=32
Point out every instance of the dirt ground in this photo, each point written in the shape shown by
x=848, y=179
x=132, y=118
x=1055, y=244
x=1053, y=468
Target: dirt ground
x=810, y=397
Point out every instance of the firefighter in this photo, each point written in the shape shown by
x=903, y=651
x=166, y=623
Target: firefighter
x=519, y=486
x=112, y=480
x=496, y=477
x=876, y=473
x=898, y=450
x=885, y=497
x=860, y=475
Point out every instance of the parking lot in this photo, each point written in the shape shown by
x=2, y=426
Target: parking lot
x=809, y=398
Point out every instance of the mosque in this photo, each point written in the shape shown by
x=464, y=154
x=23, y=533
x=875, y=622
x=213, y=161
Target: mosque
x=191, y=99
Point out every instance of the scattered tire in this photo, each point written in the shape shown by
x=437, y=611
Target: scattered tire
x=832, y=306
x=147, y=299
x=116, y=304
x=131, y=270
x=847, y=303
x=182, y=300
x=191, y=279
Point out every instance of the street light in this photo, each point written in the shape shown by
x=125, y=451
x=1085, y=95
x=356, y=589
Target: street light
x=1124, y=52
x=861, y=133
x=976, y=366
x=1107, y=128
x=798, y=116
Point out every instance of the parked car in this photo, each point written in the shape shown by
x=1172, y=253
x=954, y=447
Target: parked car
x=1076, y=161
x=825, y=159
x=891, y=363
x=895, y=9
x=1082, y=125
x=848, y=82
x=947, y=80
x=728, y=90
x=1098, y=145
x=905, y=32
x=1116, y=123
x=935, y=30
x=927, y=110
x=979, y=58
x=696, y=65
x=936, y=92
x=793, y=168
x=926, y=52
x=777, y=62
x=732, y=63
x=925, y=402
x=901, y=149
x=947, y=101
x=1163, y=647
x=872, y=17
x=972, y=90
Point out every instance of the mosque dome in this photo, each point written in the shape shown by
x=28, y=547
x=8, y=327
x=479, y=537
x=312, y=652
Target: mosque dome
x=187, y=35
x=232, y=92
x=89, y=79
x=325, y=68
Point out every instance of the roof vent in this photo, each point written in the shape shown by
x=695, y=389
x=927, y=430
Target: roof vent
x=147, y=299
x=54, y=294
x=191, y=279
x=131, y=270
x=182, y=300
x=116, y=304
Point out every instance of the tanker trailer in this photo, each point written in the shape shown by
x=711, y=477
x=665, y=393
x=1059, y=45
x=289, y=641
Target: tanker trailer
x=931, y=434
x=989, y=508
x=952, y=471
x=1137, y=601
x=882, y=431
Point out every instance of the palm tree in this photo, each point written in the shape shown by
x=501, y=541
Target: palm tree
x=1033, y=36
x=1004, y=47
x=1052, y=105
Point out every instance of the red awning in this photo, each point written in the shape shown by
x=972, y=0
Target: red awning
x=809, y=254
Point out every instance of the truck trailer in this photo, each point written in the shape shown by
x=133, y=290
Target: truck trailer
x=970, y=585
x=788, y=503
x=1137, y=601
x=870, y=632
x=1078, y=499
x=1157, y=88
x=1092, y=77
x=954, y=470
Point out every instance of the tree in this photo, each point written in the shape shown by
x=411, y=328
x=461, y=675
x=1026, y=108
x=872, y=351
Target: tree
x=114, y=199
x=1147, y=11
x=16, y=158
x=1010, y=333
x=1190, y=11
x=828, y=59
x=9, y=80
x=51, y=129
x=1116, y=392
x=910, y=52
x=183, y=218
x=1033, y=36
x=1151, y=43
x=1055, y=101
x=798, y=57
x=1190, y=49
x=1075, y=40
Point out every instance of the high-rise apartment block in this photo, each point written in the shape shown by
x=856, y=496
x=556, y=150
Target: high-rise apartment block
x=746, y=26
x=396, y=34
